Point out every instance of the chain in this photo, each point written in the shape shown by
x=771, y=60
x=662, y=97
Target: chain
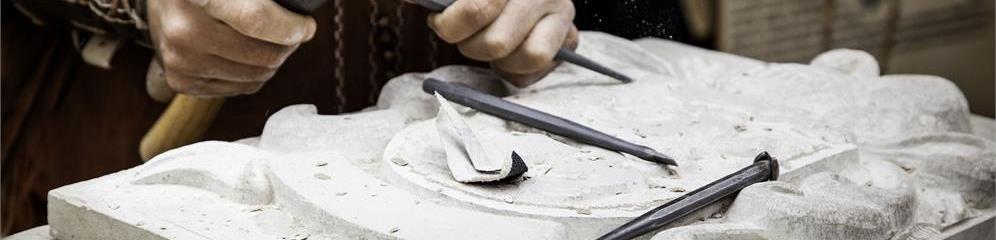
x=118, y=12
x=373, y=53
x=340, y=63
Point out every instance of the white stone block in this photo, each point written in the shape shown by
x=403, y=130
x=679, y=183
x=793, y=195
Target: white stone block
x=863, y=157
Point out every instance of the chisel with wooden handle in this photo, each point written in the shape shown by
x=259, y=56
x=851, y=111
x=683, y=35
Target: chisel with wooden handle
x=187, y=117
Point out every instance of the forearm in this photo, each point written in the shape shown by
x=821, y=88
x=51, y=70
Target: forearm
x=123, y=18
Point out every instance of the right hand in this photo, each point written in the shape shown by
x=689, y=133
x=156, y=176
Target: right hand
x=217, y=48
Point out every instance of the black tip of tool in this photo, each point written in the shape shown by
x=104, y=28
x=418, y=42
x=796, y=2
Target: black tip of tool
x=663, y=159
x=619, y=76
x=773, y=164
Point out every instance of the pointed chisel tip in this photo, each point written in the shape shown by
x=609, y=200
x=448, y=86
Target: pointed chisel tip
x=661, y=158
x=622, y=78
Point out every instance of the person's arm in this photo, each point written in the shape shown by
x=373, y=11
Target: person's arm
x=123, y=18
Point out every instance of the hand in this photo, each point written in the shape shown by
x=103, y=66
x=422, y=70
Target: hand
x=218, y=48
x=519, y=37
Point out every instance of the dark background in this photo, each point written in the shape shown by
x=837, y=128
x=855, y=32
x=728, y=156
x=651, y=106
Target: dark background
x=634, y=19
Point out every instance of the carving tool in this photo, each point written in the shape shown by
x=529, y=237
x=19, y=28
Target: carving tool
x=563, y=54
x=504, y=109
x=765, y=168
x=187, y=117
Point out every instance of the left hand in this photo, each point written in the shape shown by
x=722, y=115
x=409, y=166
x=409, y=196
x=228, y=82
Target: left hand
x=519, y=37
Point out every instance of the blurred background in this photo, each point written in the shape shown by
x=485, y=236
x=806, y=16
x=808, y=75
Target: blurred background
x=57, y=107
x=951, y=38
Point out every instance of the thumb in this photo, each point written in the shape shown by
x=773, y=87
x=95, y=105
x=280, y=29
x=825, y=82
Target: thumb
x=155, y=83
x=261, y=19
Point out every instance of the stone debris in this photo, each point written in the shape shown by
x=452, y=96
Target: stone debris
x=740, y=127
x=583, y=211
x=399, y=162
x=322, y=176
x=657, y=182
x=298, y=236
x=639, y=133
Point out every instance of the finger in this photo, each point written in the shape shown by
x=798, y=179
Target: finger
x=219, y=39
x=203, y=87
x=507, y=31
x=523, y=80
x=155, y=83
x=573, y=38
x=262, y=19
x=248, y=50
x=539, y=49
x=208, y=66
x=465, y=18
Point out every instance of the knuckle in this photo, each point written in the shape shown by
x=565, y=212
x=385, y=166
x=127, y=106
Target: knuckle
x=481, y=12
x=537, y=55
x=173, y=62
x=497, y=46
x=176, y=31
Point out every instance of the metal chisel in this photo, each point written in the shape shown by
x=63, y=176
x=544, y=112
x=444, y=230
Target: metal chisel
x=765, y=168
x=563, y=54
x=504, y=109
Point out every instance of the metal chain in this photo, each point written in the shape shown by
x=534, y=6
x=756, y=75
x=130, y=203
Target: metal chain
x=399, y=13
x=373, y=53
x=340, y=63
x=117, y=11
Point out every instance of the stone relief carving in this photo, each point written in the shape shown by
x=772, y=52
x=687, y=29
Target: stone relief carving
x=863, y=156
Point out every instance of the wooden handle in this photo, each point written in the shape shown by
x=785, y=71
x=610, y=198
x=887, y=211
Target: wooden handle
x=184, y=122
